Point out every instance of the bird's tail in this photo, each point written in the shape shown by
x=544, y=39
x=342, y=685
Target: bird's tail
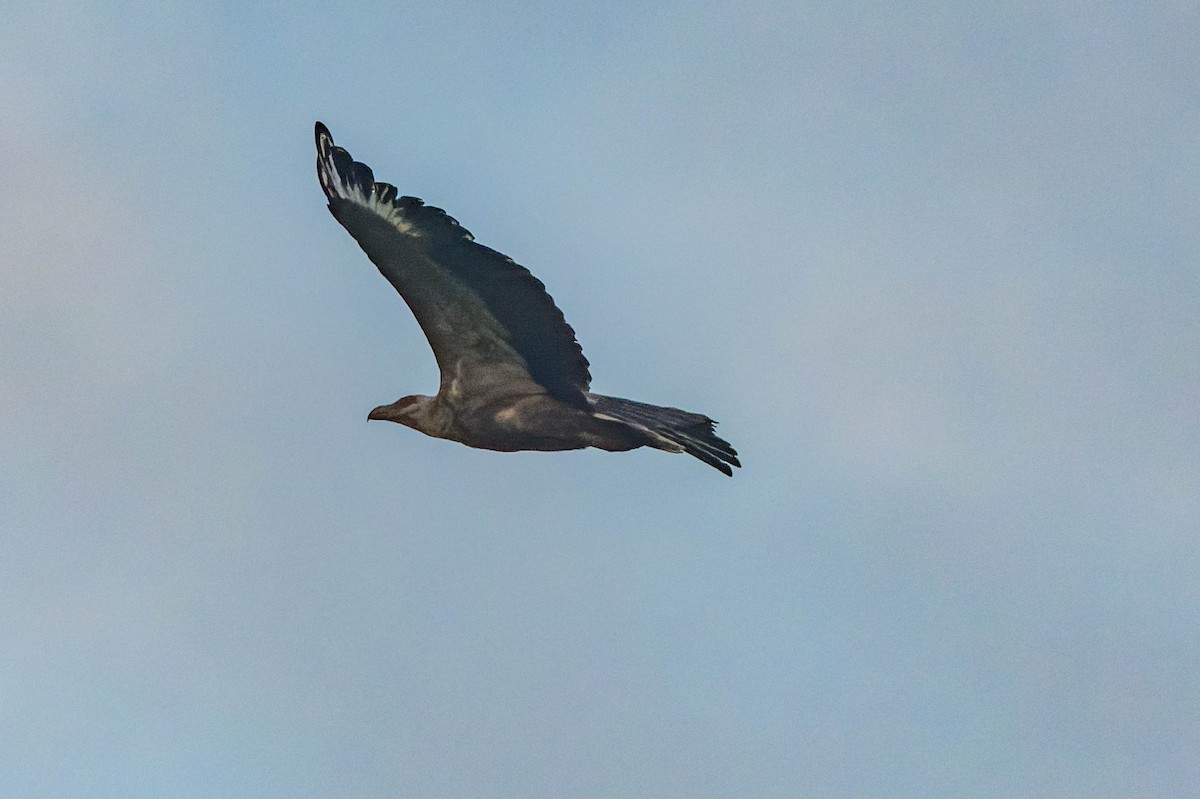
x=670, y=429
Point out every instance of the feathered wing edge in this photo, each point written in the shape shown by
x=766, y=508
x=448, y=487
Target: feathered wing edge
x=671, y=429
x=343, y=178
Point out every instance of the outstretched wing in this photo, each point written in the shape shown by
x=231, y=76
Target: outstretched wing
x=479, y=309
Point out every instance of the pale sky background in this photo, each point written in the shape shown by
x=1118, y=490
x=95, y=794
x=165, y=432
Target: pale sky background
x=935, y=269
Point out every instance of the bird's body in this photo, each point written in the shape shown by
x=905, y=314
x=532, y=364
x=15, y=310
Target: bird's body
x=513, y=377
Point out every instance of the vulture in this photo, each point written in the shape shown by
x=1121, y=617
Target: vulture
x=513, y=377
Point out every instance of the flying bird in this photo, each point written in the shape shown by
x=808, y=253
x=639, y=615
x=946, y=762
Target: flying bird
x=513, y=377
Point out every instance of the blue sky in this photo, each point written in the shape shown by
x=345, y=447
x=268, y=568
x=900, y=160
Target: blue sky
x=935, y=269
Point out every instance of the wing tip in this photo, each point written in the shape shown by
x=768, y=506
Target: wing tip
x=327, y=169
x=342, y=177
x=323, y=137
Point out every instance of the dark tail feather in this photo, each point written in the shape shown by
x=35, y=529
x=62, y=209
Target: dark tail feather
x=671, y=429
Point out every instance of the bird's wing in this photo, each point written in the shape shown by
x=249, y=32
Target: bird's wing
x=480, y=310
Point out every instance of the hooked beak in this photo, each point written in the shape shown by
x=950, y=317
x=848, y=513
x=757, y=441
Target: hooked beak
x=378, y=415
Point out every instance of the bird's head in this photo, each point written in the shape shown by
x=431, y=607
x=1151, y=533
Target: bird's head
x=418, y=412
x=400, y=411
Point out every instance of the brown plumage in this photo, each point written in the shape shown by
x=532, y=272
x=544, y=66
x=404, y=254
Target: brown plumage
x=513, y=377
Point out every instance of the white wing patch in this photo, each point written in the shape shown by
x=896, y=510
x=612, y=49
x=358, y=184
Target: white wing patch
x=338, y=180
x=390, y=212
